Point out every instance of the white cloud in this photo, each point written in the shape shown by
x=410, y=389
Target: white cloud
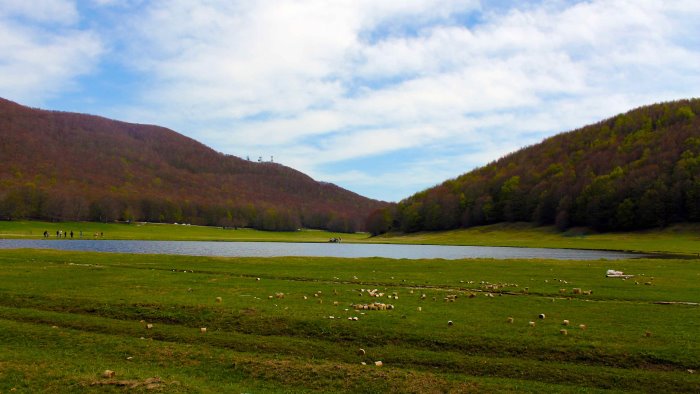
x=53, y=11
x=42, y=52
x=320, y=84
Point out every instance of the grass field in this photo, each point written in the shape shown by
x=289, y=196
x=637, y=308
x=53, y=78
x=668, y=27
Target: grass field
x=65, y=317
x=170, y=232
x=683, y=239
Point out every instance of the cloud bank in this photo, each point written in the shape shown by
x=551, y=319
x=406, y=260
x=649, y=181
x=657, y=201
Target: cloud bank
x=384, y=98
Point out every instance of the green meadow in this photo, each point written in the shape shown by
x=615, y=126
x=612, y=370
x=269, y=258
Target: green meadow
x=678, y=239
x=287, y=324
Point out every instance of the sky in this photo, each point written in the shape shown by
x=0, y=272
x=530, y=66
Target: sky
x=384, y=98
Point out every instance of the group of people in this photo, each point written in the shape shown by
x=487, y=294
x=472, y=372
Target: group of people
x=66, y=234
x=62, y=234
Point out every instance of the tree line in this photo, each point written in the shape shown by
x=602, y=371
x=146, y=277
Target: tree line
x=637, y=170
x=66, y=166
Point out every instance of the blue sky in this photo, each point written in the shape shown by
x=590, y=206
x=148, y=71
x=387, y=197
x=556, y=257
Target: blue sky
x=384, y=98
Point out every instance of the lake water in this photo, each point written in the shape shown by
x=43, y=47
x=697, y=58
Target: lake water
x=276, y=249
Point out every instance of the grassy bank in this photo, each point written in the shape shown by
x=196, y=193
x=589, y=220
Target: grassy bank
x=65, y=317
x=158, y=231
x=683, y=239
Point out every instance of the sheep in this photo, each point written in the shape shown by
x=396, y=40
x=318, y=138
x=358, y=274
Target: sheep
x=587, y=292
x=576, y=290
x=219, y=300
x=541, y=316
x=531, y=323
x=582, y=326
x=449, y=322
x=279, y=295
x=419, y=309
x=647, y=334
x=562, y=291
x=258, y=279
x=510, y=320
x=108, y=374
x=565, y=323
x=423, y=296
x=203, y=330
x=149, y=326
x=378, y=363
x=361, y=352
x=563, y=332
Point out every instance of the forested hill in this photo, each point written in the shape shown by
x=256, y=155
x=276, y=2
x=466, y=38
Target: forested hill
x=637, y=170
x=67, y=166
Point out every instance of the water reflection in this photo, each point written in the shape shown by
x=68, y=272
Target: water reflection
x=275, y=249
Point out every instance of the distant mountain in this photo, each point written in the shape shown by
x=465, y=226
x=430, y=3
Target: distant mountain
x=636, y=170
x=68, y=166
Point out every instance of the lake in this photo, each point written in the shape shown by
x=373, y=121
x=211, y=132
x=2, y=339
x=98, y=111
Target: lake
x=276, y=249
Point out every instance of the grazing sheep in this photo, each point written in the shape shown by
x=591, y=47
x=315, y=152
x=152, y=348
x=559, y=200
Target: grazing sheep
x=565, y=322
x=203, y=330
x=149, y=326
x=562, y=291
x=582, y=326
x=219, y=300
x=541, y=316
x=306, y=298
x=587, y=292
x=449, y=322
x=563, y=332
x=335, y=303
x=423, y=296
x=531, y=323
x=257, y=279
x=361, y=352
x=510, y=320
x=279, y=295
x=108, y=374
x=577, y=290
x=378, y=363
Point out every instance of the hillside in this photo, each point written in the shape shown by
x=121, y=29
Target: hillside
x=636, y=170
x=67, y=166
